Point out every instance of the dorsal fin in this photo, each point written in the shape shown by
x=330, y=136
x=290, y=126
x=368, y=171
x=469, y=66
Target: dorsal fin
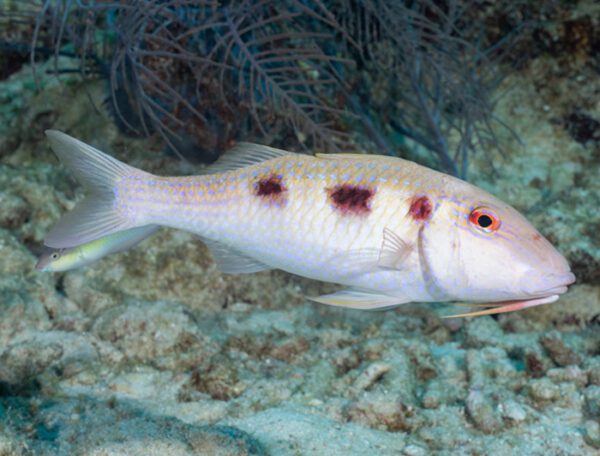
x=245, y=154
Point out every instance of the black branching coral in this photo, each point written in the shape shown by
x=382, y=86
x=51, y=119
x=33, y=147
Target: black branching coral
x=322, y=74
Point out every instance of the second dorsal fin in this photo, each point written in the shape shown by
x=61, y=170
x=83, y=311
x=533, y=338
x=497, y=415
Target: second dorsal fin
x=245, y=154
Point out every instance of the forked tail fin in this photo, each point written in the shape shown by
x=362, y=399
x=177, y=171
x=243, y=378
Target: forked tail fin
x=97, y=215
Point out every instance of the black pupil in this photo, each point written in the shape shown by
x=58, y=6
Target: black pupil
x=484, y=221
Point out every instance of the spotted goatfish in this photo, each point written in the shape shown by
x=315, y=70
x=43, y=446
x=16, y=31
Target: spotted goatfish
x=390, y=230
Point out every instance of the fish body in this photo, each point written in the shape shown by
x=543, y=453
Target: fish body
x=389, y=229
x=297, y=227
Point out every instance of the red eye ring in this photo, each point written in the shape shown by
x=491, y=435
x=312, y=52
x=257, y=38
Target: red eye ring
x=484, y=220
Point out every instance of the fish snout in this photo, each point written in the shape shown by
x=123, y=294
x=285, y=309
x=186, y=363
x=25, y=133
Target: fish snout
x=547, y=284
x=547, y=271
x=41, y=264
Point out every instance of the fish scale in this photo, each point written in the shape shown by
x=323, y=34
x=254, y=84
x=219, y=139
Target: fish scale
x=389, y=229
x=307, y=235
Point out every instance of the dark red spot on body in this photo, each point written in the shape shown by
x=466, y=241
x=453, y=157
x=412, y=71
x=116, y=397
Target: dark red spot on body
x=420, y=208
x=351, y=199
x=271, y=189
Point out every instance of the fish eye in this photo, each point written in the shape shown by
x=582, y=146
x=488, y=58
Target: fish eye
x=484, y=220
x=54, y=255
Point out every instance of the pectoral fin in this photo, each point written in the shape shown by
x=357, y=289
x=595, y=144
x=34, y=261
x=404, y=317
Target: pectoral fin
x=394, y=251
x=363, y=300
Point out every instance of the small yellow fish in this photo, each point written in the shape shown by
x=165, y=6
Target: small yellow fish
x=391, y=230
x=85, y=254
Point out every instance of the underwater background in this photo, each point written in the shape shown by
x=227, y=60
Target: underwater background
x=155, y=352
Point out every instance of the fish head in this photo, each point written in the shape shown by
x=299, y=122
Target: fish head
x=50, y=261
x=482, y=249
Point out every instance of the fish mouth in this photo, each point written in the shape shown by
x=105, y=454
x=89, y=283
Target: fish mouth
x=559, y=284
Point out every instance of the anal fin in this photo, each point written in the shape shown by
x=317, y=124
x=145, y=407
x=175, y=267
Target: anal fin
x=363, y=300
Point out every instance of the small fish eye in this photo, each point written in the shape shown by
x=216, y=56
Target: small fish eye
x=484, y=220
x=54, y=256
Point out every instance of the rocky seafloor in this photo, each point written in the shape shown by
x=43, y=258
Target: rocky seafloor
x=154, y=352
